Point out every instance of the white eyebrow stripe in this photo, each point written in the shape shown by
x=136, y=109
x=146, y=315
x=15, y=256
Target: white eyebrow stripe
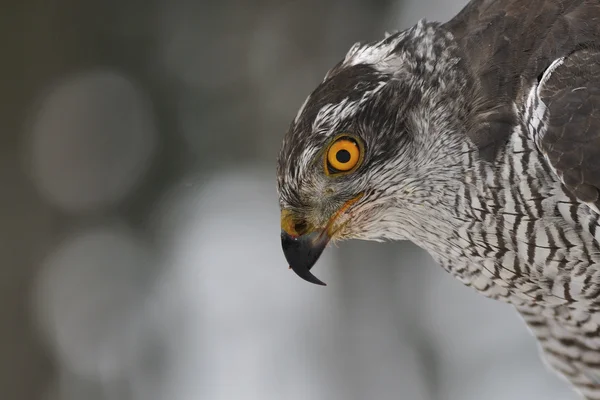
x=331, y=115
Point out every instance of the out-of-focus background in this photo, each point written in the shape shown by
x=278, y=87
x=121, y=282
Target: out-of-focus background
x=139, y=224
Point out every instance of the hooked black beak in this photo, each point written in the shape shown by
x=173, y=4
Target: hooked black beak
x=303, y=244
x=302, y=252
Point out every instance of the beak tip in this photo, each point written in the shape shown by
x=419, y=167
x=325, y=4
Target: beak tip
x=302, y=253
x=309, y=277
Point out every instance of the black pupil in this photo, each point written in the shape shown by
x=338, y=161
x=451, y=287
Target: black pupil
x=343, y=156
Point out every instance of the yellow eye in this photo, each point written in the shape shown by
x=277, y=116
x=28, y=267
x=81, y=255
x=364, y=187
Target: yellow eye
x=343, y=155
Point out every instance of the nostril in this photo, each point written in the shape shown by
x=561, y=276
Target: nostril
x=300, y=227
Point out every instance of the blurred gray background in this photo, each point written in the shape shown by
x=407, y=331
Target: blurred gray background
x=139, y=235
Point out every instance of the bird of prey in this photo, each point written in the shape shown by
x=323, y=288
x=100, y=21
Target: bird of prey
x=479, y=140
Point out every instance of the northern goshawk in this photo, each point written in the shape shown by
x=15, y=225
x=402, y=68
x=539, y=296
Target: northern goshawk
x=479, y=140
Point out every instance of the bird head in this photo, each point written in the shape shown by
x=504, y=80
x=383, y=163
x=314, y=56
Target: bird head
x=373, y=146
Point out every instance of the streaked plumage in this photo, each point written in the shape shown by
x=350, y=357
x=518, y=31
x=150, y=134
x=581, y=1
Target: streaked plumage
x=481, y=145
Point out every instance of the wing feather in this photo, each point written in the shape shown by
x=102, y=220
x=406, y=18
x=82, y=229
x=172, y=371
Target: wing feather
x=507, y=45
x=570, y=141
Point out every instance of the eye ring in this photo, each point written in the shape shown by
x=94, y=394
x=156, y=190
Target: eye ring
x=344, y=155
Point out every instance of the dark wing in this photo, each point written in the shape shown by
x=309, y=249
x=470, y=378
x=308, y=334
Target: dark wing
x=507, y=45
x=571, y=138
